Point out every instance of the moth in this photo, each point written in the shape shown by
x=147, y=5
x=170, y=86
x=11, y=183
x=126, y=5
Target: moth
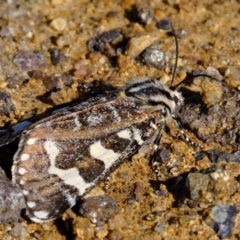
x=62, y=157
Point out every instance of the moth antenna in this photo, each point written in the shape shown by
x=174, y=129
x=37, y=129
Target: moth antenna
x=176, y=61
x=194, y=76
x=176, y=49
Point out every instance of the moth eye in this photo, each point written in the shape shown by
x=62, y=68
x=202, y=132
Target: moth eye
x=164, y=111
x=176, y=100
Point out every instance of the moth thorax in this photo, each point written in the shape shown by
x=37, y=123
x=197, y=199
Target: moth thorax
x=152, y=95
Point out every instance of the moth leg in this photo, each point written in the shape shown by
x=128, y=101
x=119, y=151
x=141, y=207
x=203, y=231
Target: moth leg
x=106, y=183
x=183, y=134
x=155, y=159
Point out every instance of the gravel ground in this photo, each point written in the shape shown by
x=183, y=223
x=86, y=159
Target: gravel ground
x=54, y=53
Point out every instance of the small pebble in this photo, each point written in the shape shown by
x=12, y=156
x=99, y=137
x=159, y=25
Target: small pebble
x=212, y=92
x=182, y=33
x=216, y=155
x=154, y=57
x=232, y=77
x=164, y=154
x=145, y=15
x=56, y=56
x=99, y=209
x=29, y=60
x=199, y=156
x=210, y=185
x=6, y=105
x=107, y=42
x=164, y=24
x=141, y=13
x=213, y=72
x=11, y=200
x=138, y=44
x=160, y=227
x=221, y=218
x=115, y=235
x=17, y=232
x=59, y=24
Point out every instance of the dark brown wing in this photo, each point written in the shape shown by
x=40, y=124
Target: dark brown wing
x=62, y=157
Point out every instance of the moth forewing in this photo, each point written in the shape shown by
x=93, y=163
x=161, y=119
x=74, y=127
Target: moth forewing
x=62, y=157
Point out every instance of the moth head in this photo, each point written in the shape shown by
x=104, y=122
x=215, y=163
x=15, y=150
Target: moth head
x=152, y=95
